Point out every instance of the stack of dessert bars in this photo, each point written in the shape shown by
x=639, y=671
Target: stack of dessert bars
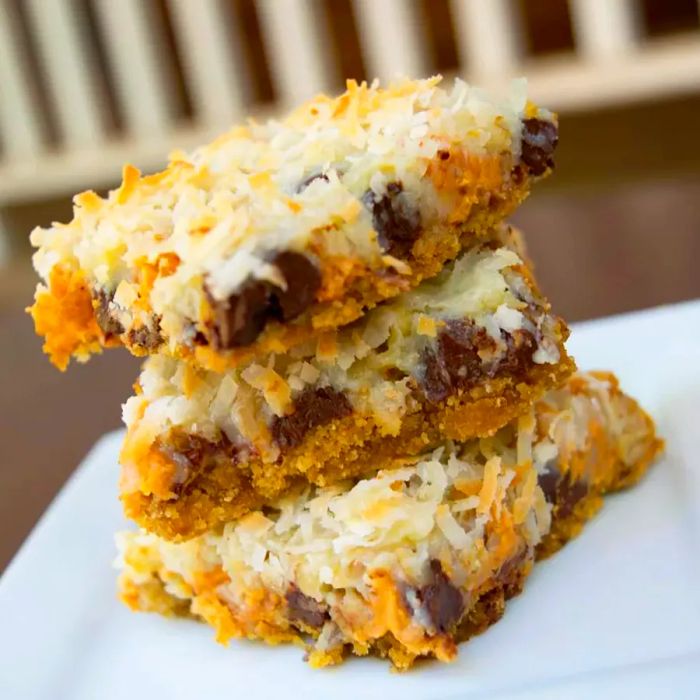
x=356, y=426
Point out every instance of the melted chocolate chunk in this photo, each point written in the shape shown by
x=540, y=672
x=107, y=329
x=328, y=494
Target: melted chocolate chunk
x=539, y=140
x=562, y=492
x=312, y=408
x=303, y=280
x=186, y=452
x=241, y=318
x=518, y=358
x=395, y=219
x=192, y=454
x=442, y=601
x=145, y=337
x=548, y=481
x=570, y=493
x=193, y=336
x=104, y=316
x=461, y=358
x=302, y=608
x=459, y=347
x=517, y=174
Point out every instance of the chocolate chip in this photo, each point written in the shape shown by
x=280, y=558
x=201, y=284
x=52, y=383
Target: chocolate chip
x=303, y=280
x=241, y=318
x=395, y=219
x=145, y=337
x=192, y=454
x=104, y=316
x=569, y=494
x=394, y=374
x=311, y=178
x=459, y=349
x=304, y=609
x=437, y=384
x=517, y=174
x=518, y=358
x=192, y=336
x=312, y=408
x=456, y=361
x=562, y=492
x=464, y=354
x=548, y=481
x=442, y=601
x=539, y=139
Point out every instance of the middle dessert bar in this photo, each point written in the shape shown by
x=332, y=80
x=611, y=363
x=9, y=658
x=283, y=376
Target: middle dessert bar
x=456, y=358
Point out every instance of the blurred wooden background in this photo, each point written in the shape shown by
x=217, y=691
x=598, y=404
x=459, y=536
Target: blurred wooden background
x=617, y=228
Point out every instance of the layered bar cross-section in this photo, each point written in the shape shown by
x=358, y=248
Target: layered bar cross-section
x=415, y=559
x=278, y=230
x=455, y=358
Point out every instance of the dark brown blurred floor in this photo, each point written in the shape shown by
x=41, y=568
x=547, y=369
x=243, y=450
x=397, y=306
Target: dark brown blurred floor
x=49, y=421
x=617, y=229
x=598, y=253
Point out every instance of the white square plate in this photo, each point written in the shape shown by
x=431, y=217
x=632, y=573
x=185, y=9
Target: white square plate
x=615, y=614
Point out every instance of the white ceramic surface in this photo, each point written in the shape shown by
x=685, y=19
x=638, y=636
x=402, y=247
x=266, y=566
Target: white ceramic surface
x=616, y=614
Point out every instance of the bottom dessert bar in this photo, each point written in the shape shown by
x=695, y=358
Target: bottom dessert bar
x=416, y=559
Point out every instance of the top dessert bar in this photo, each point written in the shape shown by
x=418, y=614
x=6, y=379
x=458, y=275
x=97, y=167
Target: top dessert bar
x=281, y=230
